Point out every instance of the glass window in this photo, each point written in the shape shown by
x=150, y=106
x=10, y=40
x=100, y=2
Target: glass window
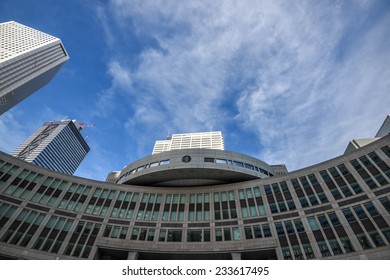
x=236, y=233
x=289, y=227
x=360, y=212
x=218, y=234
x=227, y=234
x=308, y=251
x=323, y=221
x=356, y=188
x=241, y=194
x=261, y=209
x=151, y=234
x=313, y=200
x=223, y=161
x=163, y=234
x=231, y=196
x=248, y=233
x=334, y=219
x=291, y=205
x=206, y=235
x=297, y=252
x=279, y=229
x=303, y=202
x=299, y=226
x=286, y=253
x=386, y=203
x=273, y=207
x=336, y=194
x=115, y=232
x=267, y=189
x=282, y=206
x=257, y=231
x=194, y=236
x=363, y=240
x=322, y=197
x=134, y=234
x=335, y=247
x=253, y=211
x=174, y=235
x=275, y=188
x=163, y=162
x=371, y=209
x=249, y=193
x=313, y=223
x=142, y=234
x=348, y=215
x=376, y=238
x=347, y=245
x=266, y=230
x=323, y=248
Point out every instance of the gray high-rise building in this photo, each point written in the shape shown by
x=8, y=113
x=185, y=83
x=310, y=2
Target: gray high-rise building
x=385, y=128
x=29, y=59
x=56, y=145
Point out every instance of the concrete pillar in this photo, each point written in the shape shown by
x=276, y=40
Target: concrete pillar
x=132, y=255
x=236, y=256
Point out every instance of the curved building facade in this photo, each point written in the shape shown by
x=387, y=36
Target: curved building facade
x=194, y=167
x=337, y=209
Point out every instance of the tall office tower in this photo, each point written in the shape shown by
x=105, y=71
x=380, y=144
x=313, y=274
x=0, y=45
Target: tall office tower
x=56, y=145
x=385, y=128
x=29, y=59
x=201, y=140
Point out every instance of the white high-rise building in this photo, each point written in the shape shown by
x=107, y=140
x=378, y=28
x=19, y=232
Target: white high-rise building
x=29, y=59
x=200, y=140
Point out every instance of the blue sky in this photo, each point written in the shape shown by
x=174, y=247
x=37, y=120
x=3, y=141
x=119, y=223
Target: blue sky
x=285, y=81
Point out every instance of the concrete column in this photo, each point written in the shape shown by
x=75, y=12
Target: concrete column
x=132, y=255
x=236, y=256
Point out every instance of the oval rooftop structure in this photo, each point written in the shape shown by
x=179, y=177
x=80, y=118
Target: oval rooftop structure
x=194, y=167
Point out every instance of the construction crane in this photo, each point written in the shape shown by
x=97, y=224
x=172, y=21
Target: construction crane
x=82, y=125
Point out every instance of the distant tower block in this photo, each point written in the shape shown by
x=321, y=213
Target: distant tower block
x=57, y=146
x=200, y=140
x=29, y=59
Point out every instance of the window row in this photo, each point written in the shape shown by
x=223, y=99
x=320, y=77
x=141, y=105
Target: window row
x=237, y=163
x=142, y=167
x=82, y=239
x=279, y=197
x=23, y=228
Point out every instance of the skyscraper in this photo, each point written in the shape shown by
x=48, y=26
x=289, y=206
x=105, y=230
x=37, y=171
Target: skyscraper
x=204, y=140
x=385, y=128
x=29, y=59
x=56, y=145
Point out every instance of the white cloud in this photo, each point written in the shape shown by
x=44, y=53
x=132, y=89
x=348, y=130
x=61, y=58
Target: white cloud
x=16, y=126
x=304, y=77
x=11, y=131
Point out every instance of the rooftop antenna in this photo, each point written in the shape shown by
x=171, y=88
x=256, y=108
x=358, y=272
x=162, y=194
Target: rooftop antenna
x=64, y=118
x=169, y=134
